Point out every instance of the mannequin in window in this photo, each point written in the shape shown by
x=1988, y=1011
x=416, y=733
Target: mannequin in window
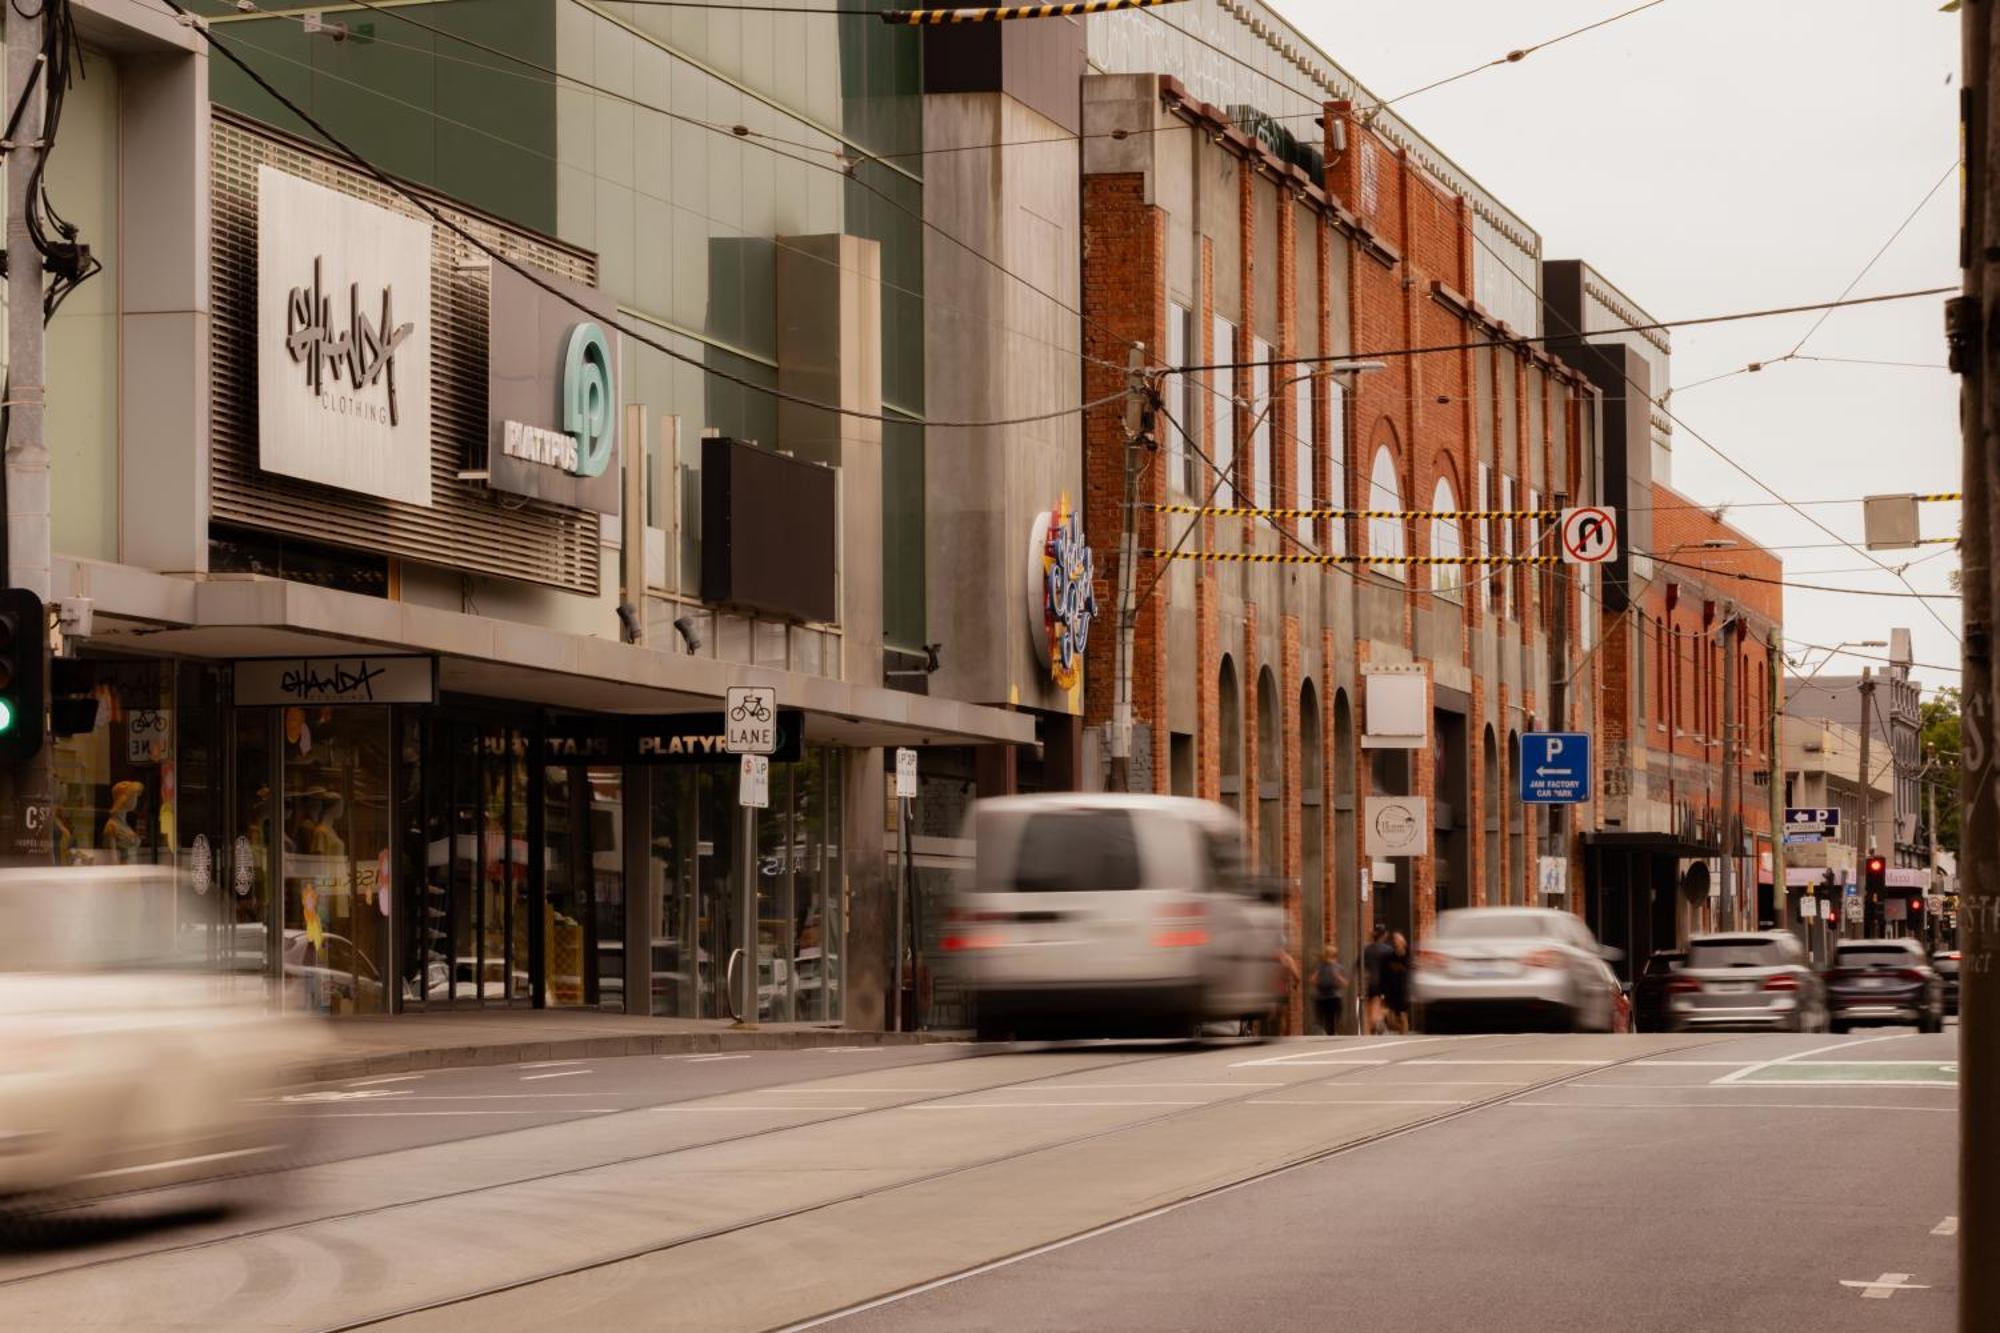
x=120, y=838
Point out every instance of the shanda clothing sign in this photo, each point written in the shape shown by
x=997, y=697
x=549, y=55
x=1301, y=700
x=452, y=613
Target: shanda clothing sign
x=343, y=340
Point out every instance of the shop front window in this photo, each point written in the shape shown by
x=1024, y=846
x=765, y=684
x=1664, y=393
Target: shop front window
x=334, y=934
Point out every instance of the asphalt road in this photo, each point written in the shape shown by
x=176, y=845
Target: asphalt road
x=1504, y=1182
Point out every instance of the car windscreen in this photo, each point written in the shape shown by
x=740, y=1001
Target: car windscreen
x=1495, y=926
x=1662, y=963
x=1877, y=956
x=1077, y=851
x=1733, y=953
x=1947, y=966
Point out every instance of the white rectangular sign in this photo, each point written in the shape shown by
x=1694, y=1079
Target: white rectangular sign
x=1554, y=876
x=753, y=790
x=906, y=774
x=1398, y=826
x=750, y=720
x=343, y=340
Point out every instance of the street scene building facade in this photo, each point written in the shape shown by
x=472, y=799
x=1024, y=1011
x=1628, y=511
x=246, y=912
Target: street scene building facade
x=447, y=443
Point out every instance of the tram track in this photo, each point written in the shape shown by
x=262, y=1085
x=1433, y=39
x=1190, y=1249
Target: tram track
x=608, y=1163
x=778, y=1215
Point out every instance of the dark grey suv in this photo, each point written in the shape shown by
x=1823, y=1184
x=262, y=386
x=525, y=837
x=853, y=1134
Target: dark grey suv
x=1884, y=981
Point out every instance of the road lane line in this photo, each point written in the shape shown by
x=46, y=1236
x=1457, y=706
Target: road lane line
x=1730, y=1106
x=1882, y=1288
x=1948, y=1227
x=1331, y=1055
x=1506, y=1062
x=1358, y=1101
x=1676, y=1064
x=1745, y=1072
x=383, y=1115
x=548, y=1064
x=709, y=1059
x=1017, y=1106
x=392, y=1078
x=558, y=1073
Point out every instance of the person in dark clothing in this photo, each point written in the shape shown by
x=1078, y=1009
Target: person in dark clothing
x=1329, y=990
x=1396, y=983
x=1372, y=957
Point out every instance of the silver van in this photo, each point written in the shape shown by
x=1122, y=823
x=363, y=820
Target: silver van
x=1113, y=915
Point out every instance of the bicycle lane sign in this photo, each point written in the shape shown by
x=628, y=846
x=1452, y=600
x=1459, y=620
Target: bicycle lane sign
x=750, y=720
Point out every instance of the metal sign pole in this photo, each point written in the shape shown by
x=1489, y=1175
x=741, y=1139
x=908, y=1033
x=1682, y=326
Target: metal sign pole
x=746, y=933
x=902, y=902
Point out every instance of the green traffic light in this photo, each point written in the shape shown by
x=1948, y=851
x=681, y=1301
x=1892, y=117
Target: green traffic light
x=6, y=715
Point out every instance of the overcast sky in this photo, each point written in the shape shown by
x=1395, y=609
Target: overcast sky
x=1720, y=155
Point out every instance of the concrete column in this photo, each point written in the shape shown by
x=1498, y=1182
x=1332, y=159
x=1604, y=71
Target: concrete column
x=871, y=911
x=163, y=372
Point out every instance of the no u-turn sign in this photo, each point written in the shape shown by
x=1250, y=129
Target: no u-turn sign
x=1589, y=535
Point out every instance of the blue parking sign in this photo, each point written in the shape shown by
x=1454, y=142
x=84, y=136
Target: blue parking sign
x=1555, y=767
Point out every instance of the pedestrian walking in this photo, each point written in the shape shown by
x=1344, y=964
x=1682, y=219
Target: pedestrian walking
x=1396, y=982
x=1329, y=990
x=1373, y=955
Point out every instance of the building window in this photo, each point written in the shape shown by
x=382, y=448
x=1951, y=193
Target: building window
x=1336, y=458
x=1447, y=543
x=1505, y=583
x=1264, y=406
x=1222, y=411
x=1174, y=430
x=1385, y=535
x=1302, y=451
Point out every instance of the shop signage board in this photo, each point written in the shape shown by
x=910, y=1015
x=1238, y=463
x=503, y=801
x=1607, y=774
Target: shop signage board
x=1062, y=596
x=753, y=787
x=661, y=738
x=750, y=719
x=343, y=340
x=1555, y=767
x=1398, y=826
x=280, y=681
x=552, y=391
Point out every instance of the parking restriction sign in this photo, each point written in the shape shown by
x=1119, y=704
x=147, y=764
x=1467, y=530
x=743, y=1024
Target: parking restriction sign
x=1589, y=535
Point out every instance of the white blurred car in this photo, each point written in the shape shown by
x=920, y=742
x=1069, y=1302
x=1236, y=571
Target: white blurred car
x=1113, y=915
x=1505, y=968
x=121, y=1067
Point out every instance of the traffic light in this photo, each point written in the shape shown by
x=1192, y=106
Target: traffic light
x=23, y=670
x=1875, y=875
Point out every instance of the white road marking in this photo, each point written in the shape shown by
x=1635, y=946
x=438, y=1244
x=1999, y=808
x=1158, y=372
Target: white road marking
x=203, y=1159
x=1675, y=1064
x=558, y=1073
x=1061, y=1106
x=392, y=1078
x=1730, y=1106
x=1358, y=1101
x=789, y=1110
x=1150, y=1087
x=377, y=1115
x=345, y=1095
x=1332, y=1055
x=1507, y=1062
x=1786, y=1085
x=707, y=1059
x=548, y=1064
x=1882, y=1288
x=1948, y=1227
x=1748, y=1070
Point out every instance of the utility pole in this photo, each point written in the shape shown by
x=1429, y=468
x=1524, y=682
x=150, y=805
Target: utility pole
x=1866, y=689
x=27, y=790
x=1731, y=843
x=1138, y=434
x=1972, y=324
x=1774, y=772
x=1559, y=636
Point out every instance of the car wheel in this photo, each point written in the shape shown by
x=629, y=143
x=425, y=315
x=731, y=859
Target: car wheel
x=1931, y=1023
x=1837, y=1026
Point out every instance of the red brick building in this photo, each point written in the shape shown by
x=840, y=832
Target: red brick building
x=1273, y=671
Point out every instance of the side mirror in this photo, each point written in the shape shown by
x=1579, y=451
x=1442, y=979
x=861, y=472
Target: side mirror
x=1610, y=953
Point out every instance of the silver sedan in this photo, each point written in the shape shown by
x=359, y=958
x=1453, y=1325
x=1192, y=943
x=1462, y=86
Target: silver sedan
x=1503, y=968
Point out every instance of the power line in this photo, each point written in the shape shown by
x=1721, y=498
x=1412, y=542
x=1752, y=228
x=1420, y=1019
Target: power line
x=1744, y=576
x=1875, y=258
x=1514, y=56
x=437, y=216
x=1519, y=340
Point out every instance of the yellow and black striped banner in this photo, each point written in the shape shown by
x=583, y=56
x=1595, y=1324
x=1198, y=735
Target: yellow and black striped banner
x=1251, y=511
x=1941, y=495
x=1291, y=558
x=998, y=13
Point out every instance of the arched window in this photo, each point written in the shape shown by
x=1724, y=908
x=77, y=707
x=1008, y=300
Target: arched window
x=1448, y=541
x=1385, y=492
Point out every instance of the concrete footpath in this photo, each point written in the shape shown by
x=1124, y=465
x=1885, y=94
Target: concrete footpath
x=355, y=1047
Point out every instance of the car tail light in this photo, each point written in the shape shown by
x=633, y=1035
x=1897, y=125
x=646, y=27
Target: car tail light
x=1543, y=959
x=961, y=932
x=1683, y=986
x=1909, y=974
x=1183, y=926
x=1781, y=982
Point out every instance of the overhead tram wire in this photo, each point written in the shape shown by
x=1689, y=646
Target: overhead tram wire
x=1512, y=57
x=1743, y=576
x=536, y=279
